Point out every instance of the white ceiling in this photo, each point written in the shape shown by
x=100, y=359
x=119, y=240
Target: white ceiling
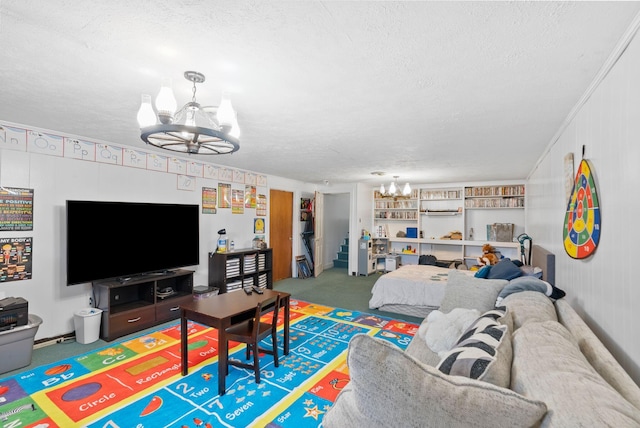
x=325, y=90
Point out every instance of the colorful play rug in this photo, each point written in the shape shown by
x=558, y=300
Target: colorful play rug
x=138, y=382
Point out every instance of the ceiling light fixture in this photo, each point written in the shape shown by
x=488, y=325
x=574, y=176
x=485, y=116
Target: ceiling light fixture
x=394, y=190
x=194, y=129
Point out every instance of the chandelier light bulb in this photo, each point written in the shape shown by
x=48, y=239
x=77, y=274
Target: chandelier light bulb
x=146, y=115
x=406, y=191
x=166, y=103
x=226, y=114
x=235, y=128
x=382, y=189
x=392, y=188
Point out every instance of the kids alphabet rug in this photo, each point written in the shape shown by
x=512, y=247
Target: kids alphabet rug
x=138, y=382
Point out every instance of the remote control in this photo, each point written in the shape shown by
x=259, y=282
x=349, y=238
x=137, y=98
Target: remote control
x=257, y=290
x=247, y=290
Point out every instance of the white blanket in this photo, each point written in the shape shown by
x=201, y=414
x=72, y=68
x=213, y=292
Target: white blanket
x=414, y=285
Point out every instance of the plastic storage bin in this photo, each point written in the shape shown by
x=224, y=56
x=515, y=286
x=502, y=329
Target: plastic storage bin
x=16, y=345
x=87, y=323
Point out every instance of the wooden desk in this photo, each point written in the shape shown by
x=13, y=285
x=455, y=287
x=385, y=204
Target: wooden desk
x=220, y=312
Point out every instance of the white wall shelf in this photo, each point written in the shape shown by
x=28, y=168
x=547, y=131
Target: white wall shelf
x=440, y=211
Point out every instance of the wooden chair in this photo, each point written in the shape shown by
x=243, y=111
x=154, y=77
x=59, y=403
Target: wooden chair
x=252, y=331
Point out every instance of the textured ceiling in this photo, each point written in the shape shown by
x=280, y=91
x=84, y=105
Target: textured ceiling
x=429, y=91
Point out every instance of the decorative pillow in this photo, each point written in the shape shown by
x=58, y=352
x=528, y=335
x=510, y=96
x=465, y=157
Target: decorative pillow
x=379, y=370
x=530, y=283
x=483, y=352
x=504, y=269
x=464, y=291
x=483, y=272
x=443, y=330
x=549, y=365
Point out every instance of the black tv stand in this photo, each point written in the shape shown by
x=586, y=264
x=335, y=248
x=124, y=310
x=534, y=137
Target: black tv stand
x=125, y=279
x=131, y=304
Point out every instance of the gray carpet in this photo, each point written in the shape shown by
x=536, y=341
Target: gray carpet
x=334, y=287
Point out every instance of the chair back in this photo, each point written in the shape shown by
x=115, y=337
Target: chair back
x=272, y=304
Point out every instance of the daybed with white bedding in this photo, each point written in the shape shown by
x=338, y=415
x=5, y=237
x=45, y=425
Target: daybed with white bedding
x=413, y=290
x=416, y=290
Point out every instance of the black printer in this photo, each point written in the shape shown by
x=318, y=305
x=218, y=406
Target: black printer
x=14, y=312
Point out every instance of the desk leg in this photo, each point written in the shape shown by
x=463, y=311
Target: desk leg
x=183, y=344
x=286, y=326
x=223, y=352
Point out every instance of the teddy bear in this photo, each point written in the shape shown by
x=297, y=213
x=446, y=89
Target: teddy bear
x=489, y=256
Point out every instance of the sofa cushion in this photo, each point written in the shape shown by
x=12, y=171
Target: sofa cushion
x=464, y=291
x=597, y=354
x=548, y=365
x=483, y=352
x=389, y=388
x=529, y=306
x=419, y=350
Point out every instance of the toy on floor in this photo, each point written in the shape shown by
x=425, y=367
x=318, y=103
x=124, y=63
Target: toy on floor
x=489, y=256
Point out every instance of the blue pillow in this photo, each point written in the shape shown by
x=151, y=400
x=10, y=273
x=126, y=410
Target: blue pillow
x=504, y=269
x=483, y=272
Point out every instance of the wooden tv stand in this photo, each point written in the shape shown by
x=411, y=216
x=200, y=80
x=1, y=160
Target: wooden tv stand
x=136, y=303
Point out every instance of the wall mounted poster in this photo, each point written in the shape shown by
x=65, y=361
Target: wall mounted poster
x=568, y=175
x=16, y=259
x=209, y=200
x=581, y=231
x=224, y=195
x=261, y=205
x=237, y=201
x=258, y=225
x=249, y=196
x=16, y=209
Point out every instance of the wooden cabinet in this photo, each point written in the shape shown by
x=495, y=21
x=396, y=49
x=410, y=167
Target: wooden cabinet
x=142, y=302
x=231, y=271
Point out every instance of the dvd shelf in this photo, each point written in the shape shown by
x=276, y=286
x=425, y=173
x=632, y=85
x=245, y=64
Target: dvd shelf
x=494, y=197
x=438, y=213
x=233, y=270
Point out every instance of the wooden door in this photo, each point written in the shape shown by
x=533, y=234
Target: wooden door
x=318, y=252
x=280, y=232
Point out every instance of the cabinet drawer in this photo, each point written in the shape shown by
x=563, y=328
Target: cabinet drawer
x=170, y=309
x=128, y=322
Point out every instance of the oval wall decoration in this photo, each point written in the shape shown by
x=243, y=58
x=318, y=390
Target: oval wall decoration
x=582, y=220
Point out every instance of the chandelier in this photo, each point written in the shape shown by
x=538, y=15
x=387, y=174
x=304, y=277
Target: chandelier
x=194, y=129
x=394, y=190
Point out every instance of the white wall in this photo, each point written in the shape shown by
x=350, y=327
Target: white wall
x=602, y=288
x=56, y=179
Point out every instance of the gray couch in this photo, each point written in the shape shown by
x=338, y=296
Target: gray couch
x=547, y=369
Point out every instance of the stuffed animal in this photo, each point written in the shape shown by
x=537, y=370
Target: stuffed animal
x=489, y=256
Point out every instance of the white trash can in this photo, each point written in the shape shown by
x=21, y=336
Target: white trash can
x=87, y=323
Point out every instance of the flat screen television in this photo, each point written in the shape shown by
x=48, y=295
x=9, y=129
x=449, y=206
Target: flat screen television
x=119, y=240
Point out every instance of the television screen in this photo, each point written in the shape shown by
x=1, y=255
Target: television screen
x=123, y=239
